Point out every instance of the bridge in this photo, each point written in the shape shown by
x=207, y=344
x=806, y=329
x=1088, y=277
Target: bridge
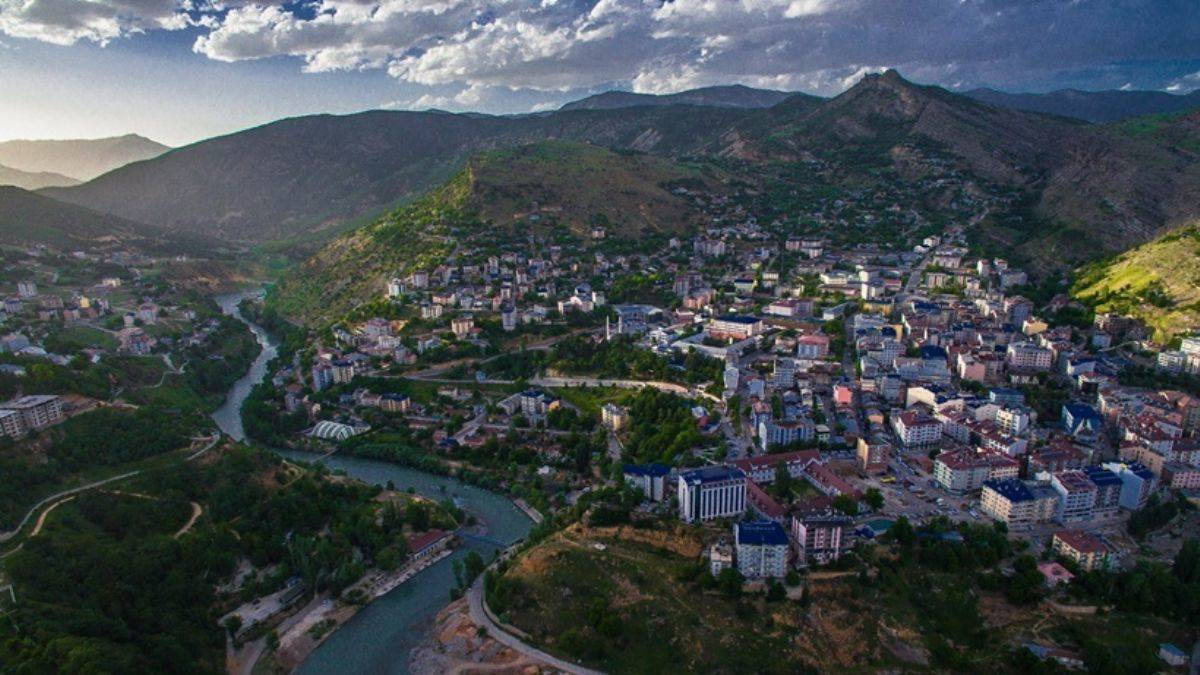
x=481, y=539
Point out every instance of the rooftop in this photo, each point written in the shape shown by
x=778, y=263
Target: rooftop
x=760, y=533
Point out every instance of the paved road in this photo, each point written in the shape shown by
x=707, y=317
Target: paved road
x=481, y=618
x=5, y=536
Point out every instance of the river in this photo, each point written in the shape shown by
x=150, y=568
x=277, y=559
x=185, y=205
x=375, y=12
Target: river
x=380, y=637
x=229, y=416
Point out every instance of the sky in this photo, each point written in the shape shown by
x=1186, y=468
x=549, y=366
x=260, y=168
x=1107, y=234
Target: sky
x=179, y=71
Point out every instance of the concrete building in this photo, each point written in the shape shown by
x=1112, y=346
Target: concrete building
x=874, y=454
x=651, y=478
x=614, y=416
x=1086, y=550
x=762, y=549
x=914, y=430
x=819, y=538
x=1076, y=496
x=711, y=492
x=1018, y=503
x=965, y=471
x=1137, y=483
x=35, y=411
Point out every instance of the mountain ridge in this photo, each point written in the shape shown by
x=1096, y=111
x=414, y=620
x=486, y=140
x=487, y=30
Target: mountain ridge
x=29, y=218
x=80, y=159
x=1102, y=107
x=732, y=95
x=33, y=180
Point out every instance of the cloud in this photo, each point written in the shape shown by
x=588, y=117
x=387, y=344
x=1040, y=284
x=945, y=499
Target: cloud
x=65, y=22
x=472, y=52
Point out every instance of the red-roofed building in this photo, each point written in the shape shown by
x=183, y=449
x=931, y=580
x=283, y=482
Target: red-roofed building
x=427, y=543
x=1085, y=549
x=761, y=469
x=828, y=482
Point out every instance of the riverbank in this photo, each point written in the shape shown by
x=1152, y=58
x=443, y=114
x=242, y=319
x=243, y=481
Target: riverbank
x=300, y=640
x=455, y=644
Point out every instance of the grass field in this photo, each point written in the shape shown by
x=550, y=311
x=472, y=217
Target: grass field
x=1158, y=282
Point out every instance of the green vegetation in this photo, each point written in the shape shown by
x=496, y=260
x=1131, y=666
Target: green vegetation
x=620, y=359
x=77, y=449
x=107, y=587
x=1157, y=282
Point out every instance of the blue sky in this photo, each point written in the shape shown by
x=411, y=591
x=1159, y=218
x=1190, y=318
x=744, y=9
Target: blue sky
x=182, y=70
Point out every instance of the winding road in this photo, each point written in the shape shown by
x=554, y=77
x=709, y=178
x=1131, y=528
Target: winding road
x=482, y=618
x=57, y=497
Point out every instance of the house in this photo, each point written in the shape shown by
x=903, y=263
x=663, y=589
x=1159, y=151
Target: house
x=762, y=549
x=428, y=543
x=1081, y=421
x=711, y=492
x=761, y=469
x=720, y=557
x=651, y=478
x=27, y=413
x=1172, y=655
x=1054, y=574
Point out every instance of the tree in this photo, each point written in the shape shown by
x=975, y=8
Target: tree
x=874, y=498
x=902, y=532
x=846, y=504
x=730, y=582
x=233, y=624
x=1026, y=585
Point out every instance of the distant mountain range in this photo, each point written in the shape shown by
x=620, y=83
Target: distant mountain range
x=28, y=219
x=28, y=180
x=1092, y=106
x=731, y=96
x=81, y=160
x=1090, y=188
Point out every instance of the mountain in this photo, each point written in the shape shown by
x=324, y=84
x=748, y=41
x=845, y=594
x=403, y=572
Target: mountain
x=307, y=175
x=1157, y=282
x=550, y=188
x=79, y=159
x=1092, y=106
x=27, y=180
x=1063, y=190
x=730, y=96
x=1074, y=190
x=28, y=218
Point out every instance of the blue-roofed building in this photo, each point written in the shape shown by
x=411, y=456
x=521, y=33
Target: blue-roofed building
x=711, y=492
x=1138, y=482
x=1108, y=491
x=651, y=478
x=762, y=549
x=1003, y=396
x=1081, y=421
x=1018, y=503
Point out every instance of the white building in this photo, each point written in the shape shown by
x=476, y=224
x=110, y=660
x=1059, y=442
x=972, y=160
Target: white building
x=711, y=492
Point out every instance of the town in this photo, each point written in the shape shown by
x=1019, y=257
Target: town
x=812, y=396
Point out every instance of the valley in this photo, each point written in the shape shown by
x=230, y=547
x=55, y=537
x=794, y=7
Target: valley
x=723, y=380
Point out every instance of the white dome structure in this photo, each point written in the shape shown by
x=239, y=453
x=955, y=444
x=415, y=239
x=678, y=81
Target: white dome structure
x=332, y=431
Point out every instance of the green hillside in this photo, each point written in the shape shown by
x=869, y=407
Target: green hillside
x=553, y=189
x=1158, y=282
